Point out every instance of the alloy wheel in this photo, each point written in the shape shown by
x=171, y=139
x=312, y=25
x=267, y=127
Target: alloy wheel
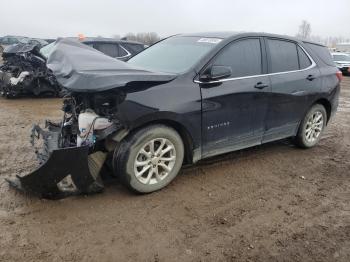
x=154, y=161
x=314, y=127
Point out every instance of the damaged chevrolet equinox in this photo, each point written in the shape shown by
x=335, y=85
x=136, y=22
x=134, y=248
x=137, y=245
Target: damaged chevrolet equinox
x=186, y=98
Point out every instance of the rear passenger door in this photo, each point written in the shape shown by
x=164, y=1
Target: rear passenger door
x=294, y=80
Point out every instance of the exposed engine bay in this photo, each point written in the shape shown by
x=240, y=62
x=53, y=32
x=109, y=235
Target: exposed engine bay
x=87, y=117
x=24, y=72
x=82, y=139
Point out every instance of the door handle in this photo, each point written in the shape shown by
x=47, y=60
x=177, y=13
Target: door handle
x=310, y=77
x=261, y=85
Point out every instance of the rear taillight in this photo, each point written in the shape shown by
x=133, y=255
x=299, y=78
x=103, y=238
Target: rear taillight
x=340, y=76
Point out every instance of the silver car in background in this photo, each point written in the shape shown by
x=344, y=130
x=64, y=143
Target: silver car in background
x=342, y=61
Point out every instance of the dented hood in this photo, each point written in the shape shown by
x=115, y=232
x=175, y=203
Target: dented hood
x=81, y=68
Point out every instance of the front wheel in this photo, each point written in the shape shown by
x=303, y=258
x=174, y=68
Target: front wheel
x=312, y=126
x=149, y=159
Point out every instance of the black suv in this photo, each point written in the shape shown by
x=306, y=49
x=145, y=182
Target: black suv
x=183, y=99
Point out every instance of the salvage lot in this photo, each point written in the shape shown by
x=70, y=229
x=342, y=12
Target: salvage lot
x=269, y=203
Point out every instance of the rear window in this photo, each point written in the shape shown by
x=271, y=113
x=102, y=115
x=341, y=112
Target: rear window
x=322, y=53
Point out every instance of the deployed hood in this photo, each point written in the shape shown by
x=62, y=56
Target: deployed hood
x=81, y=68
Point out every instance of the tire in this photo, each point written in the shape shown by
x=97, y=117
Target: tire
x=129, y=156
x=310, y=130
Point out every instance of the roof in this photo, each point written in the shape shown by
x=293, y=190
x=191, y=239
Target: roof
x=219, y=34
x=232, y=34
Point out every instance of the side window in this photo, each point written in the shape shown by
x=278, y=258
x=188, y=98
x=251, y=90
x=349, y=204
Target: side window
x=89, y=44
x=122, y=51
x=134, y=48
x=304, y=60
x=108, y=49
x=283, y=56
x=244, y=58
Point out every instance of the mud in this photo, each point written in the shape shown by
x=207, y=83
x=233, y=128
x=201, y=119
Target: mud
x=268, y=203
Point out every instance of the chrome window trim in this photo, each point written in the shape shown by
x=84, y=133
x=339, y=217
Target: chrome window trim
x=127, y=55
x=313, y=64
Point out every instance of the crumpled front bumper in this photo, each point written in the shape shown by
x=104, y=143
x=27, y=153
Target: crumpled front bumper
x=62, y=171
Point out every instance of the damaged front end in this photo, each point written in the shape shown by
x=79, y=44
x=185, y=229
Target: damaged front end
x=96, y=118
x=24, y=72
x=71, y=153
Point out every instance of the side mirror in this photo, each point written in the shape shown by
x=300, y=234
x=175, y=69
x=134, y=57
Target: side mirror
x=216, y=73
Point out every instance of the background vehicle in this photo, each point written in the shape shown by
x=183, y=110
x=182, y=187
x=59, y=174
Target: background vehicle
x=186, y=98
x=343, y=47
x=342, y=61
x=11, y=40
x=24, y=71
x=119, y=49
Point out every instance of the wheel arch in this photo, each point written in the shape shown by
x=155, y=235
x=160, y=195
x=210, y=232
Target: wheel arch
x=179, y=127
x=183, y=132
x=327, y=105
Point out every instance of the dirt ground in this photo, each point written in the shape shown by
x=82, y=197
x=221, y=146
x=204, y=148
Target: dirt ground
x=269, y=203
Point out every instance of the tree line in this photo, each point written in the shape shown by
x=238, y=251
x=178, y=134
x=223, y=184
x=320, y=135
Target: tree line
x=304, y=32
x=147, y=38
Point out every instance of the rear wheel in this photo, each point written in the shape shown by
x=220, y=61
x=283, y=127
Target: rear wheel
x=312, y=126
x=149, y=159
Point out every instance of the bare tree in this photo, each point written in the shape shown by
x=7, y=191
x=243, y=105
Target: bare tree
x=304, y=30
x=130, y=37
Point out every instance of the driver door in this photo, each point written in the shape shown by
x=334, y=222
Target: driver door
x=234, y=108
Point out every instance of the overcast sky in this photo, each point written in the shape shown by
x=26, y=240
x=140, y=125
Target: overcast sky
x=52, y=18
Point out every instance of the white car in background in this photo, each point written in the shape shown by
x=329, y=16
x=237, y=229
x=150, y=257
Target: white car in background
x=342, y=61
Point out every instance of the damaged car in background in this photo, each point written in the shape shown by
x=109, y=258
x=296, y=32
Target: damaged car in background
x=186, y=98
x=24, y=72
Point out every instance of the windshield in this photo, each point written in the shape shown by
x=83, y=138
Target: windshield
x=174, y=55
x=46, y=50
x=341, y=57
